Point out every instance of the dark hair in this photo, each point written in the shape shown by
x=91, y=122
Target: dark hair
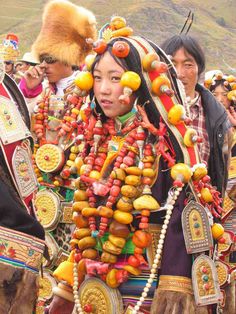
x=133, y=63
x=190, y=44
x=220, y=83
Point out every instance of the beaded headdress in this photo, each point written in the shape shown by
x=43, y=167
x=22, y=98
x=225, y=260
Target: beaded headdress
x=9, y=50
x=229, y=81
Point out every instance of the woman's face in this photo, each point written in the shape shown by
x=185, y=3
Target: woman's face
x=220, y=93
x=107, y=88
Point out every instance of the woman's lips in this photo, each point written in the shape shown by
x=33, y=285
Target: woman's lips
x=106, y=103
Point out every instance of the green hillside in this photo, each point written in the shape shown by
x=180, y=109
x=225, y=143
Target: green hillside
x=214, y=24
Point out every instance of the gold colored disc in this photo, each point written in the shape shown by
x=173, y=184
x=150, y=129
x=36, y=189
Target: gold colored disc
x=104, y=300
x=47, y=207
x=46, y=284
x=49, y=158
x=222, y=272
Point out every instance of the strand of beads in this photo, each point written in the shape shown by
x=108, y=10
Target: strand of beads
x=78, y=306
x=169, y=206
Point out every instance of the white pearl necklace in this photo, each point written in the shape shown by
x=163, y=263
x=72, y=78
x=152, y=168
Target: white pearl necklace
x=169, y=208
x=78, y=308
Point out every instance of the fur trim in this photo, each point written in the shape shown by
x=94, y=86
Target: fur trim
x=171, y=302
x=65, y=27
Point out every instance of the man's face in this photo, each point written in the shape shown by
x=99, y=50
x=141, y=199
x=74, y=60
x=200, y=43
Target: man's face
x=55, y=70
x=24, y=66
x=187, y=70
x=9, y=65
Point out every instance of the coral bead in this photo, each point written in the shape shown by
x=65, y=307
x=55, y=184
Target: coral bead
x=120, y=49
x=131, y=80
x=100, y=46
x=84, y=81
x=115, y=190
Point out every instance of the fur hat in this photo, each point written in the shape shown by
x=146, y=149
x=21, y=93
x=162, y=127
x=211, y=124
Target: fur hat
x=65, y=28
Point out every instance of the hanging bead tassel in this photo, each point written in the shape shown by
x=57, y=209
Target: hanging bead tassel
x=78, y=307
x=169, y=206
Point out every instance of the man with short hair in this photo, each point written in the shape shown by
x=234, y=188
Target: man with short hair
x=208, y=117
x=9, y=68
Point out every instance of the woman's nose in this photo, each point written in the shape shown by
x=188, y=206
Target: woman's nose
x=105, y=87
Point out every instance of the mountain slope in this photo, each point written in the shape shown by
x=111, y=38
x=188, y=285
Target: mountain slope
x=214, y=22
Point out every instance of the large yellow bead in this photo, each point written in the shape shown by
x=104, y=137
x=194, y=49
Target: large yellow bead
x=130, y=79
x=117, y=22
x=181, y=172
x=206, y=195
x=95, y=174
x=84, y=81
x=149, y=60
x=217, y=231
x=199, y=172
x=89, y=60
x=176, y=114
x=65, y=272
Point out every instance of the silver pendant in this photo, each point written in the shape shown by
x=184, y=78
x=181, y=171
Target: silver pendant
x=196, y=228
x=205, y=281
x=12, y=126
x=23, y=171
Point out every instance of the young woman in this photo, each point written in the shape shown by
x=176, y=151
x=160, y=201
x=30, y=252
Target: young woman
x=223, y=88
x=138, y=168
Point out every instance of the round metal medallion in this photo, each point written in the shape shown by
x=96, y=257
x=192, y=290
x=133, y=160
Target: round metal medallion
x=104, y=299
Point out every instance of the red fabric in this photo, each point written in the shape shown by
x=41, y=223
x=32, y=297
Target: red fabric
x=10, y=148
x=168, y=103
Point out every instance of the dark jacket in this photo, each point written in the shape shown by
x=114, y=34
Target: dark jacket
x=217, y=125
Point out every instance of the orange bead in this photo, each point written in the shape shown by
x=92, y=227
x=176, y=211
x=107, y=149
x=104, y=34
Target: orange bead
x=146, y=181
x=100, y=46
x=120, y=49
x=145, y=212
x=138, y=250
x=147, y=165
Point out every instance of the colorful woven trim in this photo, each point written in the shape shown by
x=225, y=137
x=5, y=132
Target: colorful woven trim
x=163, y=104
x=175, y=283
x=232, y=168
x=20, y=249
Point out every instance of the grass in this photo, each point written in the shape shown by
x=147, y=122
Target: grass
x=156, y=20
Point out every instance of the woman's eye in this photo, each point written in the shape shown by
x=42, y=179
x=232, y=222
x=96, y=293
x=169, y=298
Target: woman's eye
x=97, y=77
x=115, y=78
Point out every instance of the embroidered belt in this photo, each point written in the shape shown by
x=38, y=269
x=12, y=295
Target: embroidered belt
x=20, y=249
x=175, y=283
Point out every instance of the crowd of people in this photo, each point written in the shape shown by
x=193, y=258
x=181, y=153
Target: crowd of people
x=118, y=172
